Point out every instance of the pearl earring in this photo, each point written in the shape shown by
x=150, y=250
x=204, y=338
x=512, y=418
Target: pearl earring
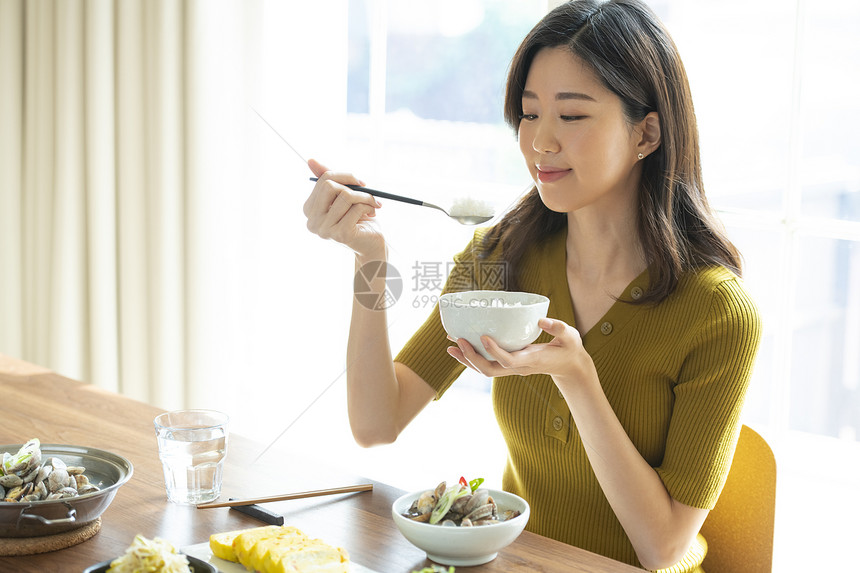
x=640, y=156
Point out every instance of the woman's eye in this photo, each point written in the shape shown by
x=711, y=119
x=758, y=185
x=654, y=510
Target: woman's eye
x=571, y=117
x=528, y=117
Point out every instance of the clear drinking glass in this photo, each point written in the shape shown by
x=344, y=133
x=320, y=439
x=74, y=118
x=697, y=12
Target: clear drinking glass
x=192, y=445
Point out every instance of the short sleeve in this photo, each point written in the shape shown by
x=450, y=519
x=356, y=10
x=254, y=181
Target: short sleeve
x=709, y=396
x=425, y=353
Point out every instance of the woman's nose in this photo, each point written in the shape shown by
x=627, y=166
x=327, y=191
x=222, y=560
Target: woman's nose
x=545, y=140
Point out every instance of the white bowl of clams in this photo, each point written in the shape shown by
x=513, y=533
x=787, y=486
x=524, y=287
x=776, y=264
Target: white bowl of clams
x=471, y=531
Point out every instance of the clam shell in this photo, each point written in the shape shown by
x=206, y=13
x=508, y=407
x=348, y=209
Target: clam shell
x=508, y=514
x=31, y=475
x=88, y=488
x=10, y=480
x=68, y=492
x=478, y=499
x=481, y=513
x=58, y=479
x=426, y=502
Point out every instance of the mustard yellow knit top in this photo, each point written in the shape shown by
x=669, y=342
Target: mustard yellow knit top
x=675, y=373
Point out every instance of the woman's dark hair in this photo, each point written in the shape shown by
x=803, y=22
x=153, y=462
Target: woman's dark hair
x=629, y=50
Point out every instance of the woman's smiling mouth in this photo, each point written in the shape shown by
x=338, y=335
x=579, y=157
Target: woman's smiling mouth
x=547, y=174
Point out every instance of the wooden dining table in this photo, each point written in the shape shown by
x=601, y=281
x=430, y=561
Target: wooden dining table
x=38, y=403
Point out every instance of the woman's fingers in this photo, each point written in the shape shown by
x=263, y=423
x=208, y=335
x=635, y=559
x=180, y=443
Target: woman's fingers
x=342, y=202
x=503, y=357
x=468, y=356
x=552, y=326
x=460, y=350
x=323, y=172
x=317, y=168
x=563, y=355
x=329, y=186
x=343, y=230
x=457, y=354
x=335, y=211
x=519, y=362
x=563, y=334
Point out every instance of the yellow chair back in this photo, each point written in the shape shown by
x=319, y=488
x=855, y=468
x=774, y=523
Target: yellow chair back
x=739, y=530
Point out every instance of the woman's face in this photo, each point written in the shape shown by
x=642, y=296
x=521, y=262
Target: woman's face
x=577, y=143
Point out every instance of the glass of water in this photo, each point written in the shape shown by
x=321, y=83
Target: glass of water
x=192, y=445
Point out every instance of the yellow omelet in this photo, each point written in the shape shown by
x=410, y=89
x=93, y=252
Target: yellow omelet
x=284, y=540
x=279, y=549
x=221, y=544
x=314, y=555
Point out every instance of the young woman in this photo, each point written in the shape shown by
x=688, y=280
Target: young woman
x=621, y=420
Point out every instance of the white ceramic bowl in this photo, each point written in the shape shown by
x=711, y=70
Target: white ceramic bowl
x=462, y=546
x=509, y=318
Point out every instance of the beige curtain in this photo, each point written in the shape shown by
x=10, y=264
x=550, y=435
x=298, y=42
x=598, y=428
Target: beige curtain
x=98, y=167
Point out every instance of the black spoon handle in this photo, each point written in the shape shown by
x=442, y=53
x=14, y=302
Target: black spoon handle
x=382, y=194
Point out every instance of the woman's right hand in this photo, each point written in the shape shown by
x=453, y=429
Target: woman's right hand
x=336, y=212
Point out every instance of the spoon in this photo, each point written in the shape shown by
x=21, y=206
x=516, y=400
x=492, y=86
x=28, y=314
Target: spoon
x=462, y=219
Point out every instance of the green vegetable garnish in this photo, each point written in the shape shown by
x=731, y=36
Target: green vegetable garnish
x=19, y=462
x=453, y=493
x=475, y=483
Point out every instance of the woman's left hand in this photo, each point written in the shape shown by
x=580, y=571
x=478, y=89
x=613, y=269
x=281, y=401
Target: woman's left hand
x=563, y=357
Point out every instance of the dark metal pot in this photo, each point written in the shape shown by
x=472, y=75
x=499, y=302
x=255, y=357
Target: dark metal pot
x=32, y=519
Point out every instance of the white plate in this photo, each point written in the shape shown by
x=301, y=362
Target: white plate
x=204, y=553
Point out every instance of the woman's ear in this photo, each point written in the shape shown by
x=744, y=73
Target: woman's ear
x=649, y=134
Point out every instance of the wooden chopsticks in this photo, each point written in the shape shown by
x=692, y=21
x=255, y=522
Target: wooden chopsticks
x=300, y=495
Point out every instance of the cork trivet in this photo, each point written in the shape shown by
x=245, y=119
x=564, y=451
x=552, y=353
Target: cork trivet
x=11, y=546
